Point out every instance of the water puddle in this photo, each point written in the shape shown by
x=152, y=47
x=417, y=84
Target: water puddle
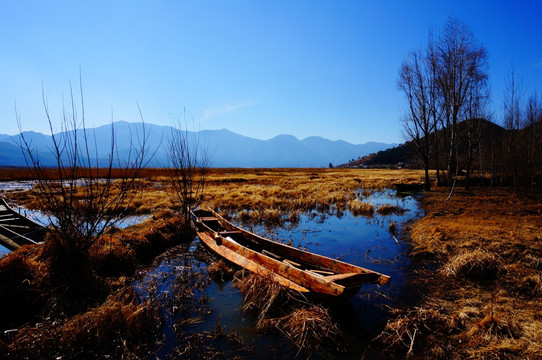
x=370, y=242
x=18, y=185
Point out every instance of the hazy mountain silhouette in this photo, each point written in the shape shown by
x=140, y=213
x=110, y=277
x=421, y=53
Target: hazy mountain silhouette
x=226, y=149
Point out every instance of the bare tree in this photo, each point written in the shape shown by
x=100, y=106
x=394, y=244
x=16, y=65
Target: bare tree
x=416, y=80
x=533, y=126
x=189, y=164
x=474, y=126
x=437, y=108
x=512, y=119
x=82, y=196
x=462, y=67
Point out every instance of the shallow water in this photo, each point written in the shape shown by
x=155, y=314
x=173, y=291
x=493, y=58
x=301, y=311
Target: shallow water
x=364, y=241
x=43, y=219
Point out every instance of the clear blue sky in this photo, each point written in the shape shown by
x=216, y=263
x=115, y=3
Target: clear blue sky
x=258, y=68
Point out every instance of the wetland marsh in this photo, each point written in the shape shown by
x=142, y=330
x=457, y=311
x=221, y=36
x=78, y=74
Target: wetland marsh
x=441, y=301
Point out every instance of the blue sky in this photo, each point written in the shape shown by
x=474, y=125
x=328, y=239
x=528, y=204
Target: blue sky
x=258, y=68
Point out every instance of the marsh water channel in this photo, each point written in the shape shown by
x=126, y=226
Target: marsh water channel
x=202, y=317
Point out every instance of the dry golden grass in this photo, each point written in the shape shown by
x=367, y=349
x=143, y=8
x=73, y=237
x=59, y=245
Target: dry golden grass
x=483, y=298
x=276, y=195
x=307, y=327
x=270, y=195
x=477, y=264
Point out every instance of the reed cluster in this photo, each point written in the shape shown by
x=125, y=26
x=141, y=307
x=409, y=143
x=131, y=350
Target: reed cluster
x=307, y=325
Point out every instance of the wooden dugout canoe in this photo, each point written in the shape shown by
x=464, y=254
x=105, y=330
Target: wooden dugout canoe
x=17, y=230
x=294, y=268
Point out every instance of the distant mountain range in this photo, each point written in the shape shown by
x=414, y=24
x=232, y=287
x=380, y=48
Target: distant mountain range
x=226, y=148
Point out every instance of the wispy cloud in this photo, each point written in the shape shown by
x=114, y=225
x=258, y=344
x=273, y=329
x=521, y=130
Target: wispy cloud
x=223, y=109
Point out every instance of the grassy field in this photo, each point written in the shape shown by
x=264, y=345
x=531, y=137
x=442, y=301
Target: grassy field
x=477, y=260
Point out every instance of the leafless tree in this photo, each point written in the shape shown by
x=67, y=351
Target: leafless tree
x=82, y=196
x=416, y=80
x=512, y=119
x=533, y=126
x=189, y=164
x=462, y=67
x=476, y=107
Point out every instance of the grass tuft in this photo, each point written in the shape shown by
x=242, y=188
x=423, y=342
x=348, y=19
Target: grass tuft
x=116, y=328
x=360, y=208
x=387, y=209
x=474, y=265
x=307, y=327
x=279, y=309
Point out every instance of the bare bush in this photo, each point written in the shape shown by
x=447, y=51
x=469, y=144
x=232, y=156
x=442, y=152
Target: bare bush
x=188, y=167
x=83, y=196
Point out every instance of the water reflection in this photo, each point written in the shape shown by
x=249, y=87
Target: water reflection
x=363, y=241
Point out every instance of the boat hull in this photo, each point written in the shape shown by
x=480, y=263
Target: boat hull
x=294, y=268
x=17, y=230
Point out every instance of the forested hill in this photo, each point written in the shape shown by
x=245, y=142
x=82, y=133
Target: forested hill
x=488, y=135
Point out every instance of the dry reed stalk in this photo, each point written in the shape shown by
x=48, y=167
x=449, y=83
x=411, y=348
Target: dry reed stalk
x=262, y=294
x=308, y=327
x=220, y=272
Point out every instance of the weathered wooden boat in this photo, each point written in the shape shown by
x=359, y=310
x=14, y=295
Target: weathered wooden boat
x=294, y=268
x=17, y=230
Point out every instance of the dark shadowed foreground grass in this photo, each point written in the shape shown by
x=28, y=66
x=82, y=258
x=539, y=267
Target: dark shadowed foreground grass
x=42, y=321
